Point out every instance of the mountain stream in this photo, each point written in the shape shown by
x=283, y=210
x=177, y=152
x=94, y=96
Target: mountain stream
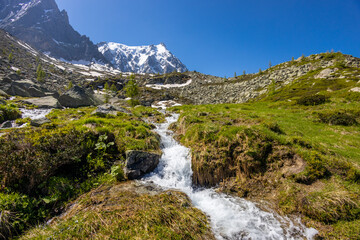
x=230, y=217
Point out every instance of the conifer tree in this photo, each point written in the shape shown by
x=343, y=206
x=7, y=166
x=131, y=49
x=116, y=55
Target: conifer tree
x=40, y=74
x=132, y=90
x=113, y=88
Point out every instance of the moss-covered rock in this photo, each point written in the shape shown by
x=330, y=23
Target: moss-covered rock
x=9, y=112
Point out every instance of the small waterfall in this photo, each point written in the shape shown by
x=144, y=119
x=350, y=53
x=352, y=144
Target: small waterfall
x=230, y=217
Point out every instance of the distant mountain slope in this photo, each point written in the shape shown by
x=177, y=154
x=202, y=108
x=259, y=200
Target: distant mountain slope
x=141, y=59
x=41, y=24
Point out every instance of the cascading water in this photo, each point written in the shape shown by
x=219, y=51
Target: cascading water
x=230, y=217
x=33, y=114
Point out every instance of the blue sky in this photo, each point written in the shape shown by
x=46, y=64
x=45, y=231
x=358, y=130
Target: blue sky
x=220, y=37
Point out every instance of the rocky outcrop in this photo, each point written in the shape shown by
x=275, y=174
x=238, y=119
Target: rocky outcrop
x=14, y=86
x=105, y=109
x=39, y=122
x=138, y=163
x=78, y=97
x=3, y=94
x=207, y=89
x=44, y=102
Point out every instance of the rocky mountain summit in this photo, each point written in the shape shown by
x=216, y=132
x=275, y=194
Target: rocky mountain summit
x=41, y=24
x=141, y=59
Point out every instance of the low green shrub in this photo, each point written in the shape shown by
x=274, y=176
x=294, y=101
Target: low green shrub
x=338, y=118
x=49, y=166
x=314, y=170
x=117, y=172
x=312, y=100
x=16, y=211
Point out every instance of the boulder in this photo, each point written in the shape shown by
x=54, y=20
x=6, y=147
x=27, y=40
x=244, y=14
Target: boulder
x=39, y=122
x=44, y=102
x=105, y=109
x=78, y=97
x=7, y=124
x=355, y=89
x=23, y=88
x=34, y=91
x=14, y=76
x=138, y=163
x=325, y=73
x=3, y=94
x=6, y=80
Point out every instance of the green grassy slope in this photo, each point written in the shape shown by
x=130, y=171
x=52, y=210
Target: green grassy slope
x=299, y=151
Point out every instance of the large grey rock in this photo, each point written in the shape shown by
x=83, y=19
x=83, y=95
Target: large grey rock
x=39, y=122
x=138, y=163
x=325, y=73
x=3, y=94
x=14, y=77
x=23, y=88
x=78, y=97
x=105, y=109
x=7, y=124
x=44, y=102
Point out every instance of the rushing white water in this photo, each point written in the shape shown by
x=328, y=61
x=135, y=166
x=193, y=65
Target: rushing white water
x=34, y=113
x=230, y=217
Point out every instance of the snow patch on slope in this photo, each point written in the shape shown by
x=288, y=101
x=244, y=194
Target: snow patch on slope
x=160, y=86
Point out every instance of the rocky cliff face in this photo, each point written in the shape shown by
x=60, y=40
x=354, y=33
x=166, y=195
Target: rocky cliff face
x=141, y=59
x=21, y=65
x=41, y=24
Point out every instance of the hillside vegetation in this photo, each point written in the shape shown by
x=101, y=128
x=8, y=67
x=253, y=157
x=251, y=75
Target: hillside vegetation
x=298, y=146
x=43, y=168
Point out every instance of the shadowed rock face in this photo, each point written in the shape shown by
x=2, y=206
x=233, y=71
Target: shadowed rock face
x=138, y=163
x=78, y=97
x=41, y=24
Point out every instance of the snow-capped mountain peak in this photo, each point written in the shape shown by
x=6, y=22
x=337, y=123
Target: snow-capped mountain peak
x=41, y=24
x=141, y=59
